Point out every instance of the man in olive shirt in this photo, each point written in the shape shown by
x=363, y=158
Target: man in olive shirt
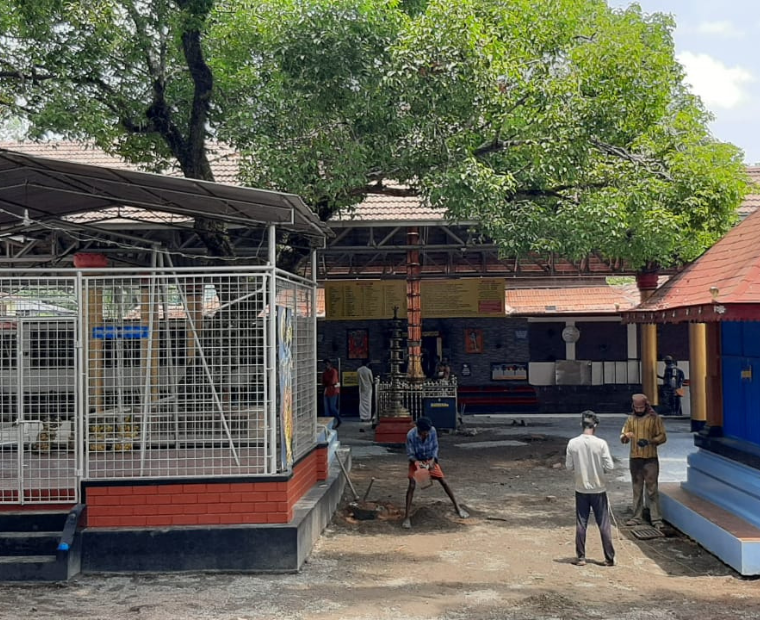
x=644, y=430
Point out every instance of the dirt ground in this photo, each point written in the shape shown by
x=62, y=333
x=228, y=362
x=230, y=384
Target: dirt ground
x=510, y=560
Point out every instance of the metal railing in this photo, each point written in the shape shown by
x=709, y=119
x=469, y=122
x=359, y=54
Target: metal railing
x=413, y=394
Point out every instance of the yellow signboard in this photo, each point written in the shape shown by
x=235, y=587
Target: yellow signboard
x=364, y=299
x=375, y=299
x=350, y=378
x=474, y=297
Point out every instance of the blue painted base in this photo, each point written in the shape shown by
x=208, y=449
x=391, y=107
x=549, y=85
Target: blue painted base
x=719, y=507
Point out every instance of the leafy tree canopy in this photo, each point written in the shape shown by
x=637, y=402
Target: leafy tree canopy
x=561, y=125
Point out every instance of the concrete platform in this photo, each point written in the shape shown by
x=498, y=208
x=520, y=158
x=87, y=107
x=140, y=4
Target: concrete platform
x=729, y=537
x=244, y=548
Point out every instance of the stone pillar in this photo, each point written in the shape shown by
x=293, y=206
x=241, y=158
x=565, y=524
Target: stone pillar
x=647, y=284
x=698, y=375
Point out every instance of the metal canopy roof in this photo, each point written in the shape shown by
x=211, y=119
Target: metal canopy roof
x=38, y=188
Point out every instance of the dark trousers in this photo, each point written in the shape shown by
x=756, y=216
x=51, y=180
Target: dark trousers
x=331, y=407
x=644, y=473
x=584, y=504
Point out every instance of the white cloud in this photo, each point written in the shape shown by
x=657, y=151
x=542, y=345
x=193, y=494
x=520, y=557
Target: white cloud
x=719, y=86
x=723, y=28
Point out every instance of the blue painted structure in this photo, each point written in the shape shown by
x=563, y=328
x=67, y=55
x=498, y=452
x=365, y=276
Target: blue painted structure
x=719, y=503
x=740, y=356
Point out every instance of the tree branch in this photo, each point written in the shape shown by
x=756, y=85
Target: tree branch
x=651, y=165
x=501, y=145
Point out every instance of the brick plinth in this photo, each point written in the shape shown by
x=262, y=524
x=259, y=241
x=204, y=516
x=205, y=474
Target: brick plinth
x=323, y=467
x=203, y=502
x=393, y=430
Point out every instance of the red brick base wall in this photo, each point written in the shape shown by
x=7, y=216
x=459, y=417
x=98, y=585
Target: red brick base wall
x=323, y=468
x=201, y=503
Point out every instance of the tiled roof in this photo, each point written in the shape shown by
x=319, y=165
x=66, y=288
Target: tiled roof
x=571, y=300
x=751, y=201
x=381, y=208
x=224, y=163
x=732, y=266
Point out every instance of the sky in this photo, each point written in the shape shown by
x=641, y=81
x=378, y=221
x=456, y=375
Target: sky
x=716, y=43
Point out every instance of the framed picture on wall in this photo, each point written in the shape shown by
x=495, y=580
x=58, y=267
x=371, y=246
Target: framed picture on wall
x=473, y=340
x=358, y=344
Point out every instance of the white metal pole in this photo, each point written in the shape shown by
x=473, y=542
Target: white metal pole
x=315, y=363
x=272, y=348
x=20, y=452
x=148, y=366
x=80, y=398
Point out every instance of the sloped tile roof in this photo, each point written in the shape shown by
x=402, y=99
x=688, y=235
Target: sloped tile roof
x=752, y=201
x=571, y=300
x=732, y=266
x=225, y=162
x=381, y=208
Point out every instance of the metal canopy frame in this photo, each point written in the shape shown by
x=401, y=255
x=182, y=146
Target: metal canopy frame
x=364, y=249
x=42, y=189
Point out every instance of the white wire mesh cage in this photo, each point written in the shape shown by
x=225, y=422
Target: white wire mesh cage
x=165, y=374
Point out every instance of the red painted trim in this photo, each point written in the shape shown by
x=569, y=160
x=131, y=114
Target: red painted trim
x=701, y=313
x=203, y=502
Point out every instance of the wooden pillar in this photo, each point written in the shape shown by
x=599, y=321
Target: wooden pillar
x=698, y=375
x=414, y=308
x=94, y=389
x=649, y=362
x=647, y=285
x=714, y=384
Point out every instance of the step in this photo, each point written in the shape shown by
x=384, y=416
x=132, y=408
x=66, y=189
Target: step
x=722, y=533
x=32, y=521
x=31, y=568
x=28, y=543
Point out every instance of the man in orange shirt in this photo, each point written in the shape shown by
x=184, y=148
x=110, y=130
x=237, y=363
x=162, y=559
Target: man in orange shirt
x=330, y=381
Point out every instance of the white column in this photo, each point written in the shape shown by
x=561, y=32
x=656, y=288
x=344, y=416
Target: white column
x=570, y=346
x=272, y=349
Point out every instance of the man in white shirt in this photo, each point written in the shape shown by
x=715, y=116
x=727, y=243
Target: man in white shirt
x=364, y=375
x=589, y=457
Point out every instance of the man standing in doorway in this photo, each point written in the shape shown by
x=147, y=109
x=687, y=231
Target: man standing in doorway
x=365, y=378
x=644, y=430
x=672, y=386
x=422, y=451
x=330, y=381
x=589, y=458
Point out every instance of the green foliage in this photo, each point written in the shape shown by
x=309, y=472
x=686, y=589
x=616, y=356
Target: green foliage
x=561, y=125
x=92, y=70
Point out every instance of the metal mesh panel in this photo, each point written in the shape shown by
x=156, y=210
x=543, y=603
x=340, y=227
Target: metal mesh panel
x=160, y=375
x=38, y=397
x=176, y=375
x=295, y=298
